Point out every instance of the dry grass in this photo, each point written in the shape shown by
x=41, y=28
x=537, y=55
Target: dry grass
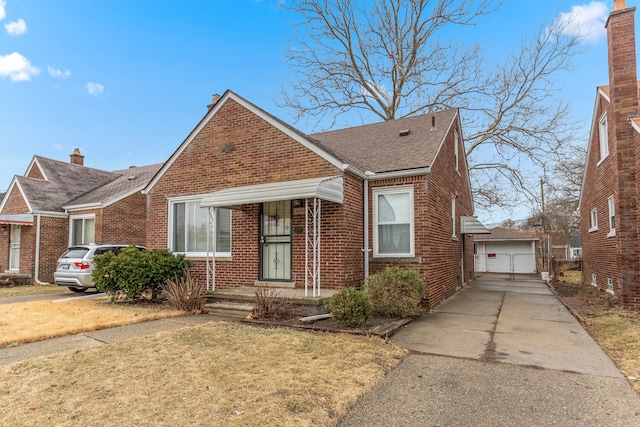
x=217, y=374
x=616, y=331
x=37, y=320
x=14, y=291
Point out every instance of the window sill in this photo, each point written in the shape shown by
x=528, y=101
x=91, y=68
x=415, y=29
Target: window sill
x=612, y=233
x=602, y=160
x=399, y=260
x=454, y=238
x=592, y=229
x=204, y=258
x=609, y=291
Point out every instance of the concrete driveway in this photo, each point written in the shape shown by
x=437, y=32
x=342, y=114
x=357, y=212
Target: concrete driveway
x=502, y=352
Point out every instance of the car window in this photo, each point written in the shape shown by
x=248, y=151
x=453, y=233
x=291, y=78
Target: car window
x=100, y=251
x=75, y=253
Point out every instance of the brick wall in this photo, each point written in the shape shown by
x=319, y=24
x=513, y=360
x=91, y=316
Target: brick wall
x=237, y=148
x=438, y=255
x=606, y=256
x=54, y=237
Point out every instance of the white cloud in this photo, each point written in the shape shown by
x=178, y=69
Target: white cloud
x=54, y=72
x=95, y=89
x=17, y=67
x=585, y=20
x=16, y=28
x=3, y=12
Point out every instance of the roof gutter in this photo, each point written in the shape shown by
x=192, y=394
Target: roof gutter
x=399, y=174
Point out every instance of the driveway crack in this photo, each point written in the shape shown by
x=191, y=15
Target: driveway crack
x=490, y=355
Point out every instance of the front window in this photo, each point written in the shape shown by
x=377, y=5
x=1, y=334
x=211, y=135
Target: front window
x=393, y=221
x=83, y=230
x=189, y=227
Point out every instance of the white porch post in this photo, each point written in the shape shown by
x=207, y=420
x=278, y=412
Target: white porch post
x=312, y=244
x=211, y=250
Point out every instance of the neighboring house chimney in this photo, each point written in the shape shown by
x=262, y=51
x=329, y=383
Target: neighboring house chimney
x=214, y=101
x=623, y=91
x=76, y=157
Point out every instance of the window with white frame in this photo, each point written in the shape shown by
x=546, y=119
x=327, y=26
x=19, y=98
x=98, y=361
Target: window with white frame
x=82, y=229
x=610, y=286
x=456, y=139
x=593, y=279
x=612, y=217
x=594, y=219
x=393, y=228
x=603, y=128
x=189, y=223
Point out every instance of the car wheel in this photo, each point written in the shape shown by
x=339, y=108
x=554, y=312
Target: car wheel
x=77, y=289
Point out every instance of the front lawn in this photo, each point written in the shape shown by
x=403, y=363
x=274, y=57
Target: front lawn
x=216, y=374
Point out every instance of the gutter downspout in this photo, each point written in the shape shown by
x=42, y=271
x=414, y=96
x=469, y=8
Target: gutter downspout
x=366, y=249
x=37, y=260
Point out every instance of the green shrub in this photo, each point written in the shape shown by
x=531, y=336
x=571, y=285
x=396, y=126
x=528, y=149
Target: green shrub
x=133, y=272
x=351, y=307
x=395, y=292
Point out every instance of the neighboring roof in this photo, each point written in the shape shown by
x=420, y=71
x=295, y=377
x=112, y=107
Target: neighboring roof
x=575, y=241
x=64, y=182
x=70, y=185
x=500, y=233
x=129, y=181
x=329, y=188
x=380, y=148
x=1, y=196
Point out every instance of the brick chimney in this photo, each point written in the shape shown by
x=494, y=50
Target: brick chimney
x=76, y=158
x=623, y=92
x=214, y=100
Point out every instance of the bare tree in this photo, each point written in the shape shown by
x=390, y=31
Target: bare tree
x=386, y=59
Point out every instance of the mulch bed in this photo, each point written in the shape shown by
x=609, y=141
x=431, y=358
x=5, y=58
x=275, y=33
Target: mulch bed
x=378, y=326
x=584, y=300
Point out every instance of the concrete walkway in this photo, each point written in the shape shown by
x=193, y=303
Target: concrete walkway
x=501, y=352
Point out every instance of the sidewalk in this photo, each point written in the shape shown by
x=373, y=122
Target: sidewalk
x=499, y=353
x=90, y=339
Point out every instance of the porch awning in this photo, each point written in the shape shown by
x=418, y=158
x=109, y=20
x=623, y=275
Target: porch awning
x=329, y=188
x=470, y=225
x=18, y=219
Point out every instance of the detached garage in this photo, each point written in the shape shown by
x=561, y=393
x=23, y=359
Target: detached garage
x=506, y=251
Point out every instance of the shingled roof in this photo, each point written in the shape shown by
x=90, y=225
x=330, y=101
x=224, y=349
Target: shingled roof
x=63, y=183
x=500, y=233
x=67, y=184
x=128, y=182
x=401, y=144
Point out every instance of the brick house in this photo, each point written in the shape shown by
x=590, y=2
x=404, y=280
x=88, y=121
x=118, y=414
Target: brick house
x=285, y=209
x=57, y=204
x=608, y=200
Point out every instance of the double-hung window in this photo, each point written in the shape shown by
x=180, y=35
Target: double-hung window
x=393, y=228
x=594, y=220
x=189, y=228
x=456, y=142
x=612, y=217
x=82, y=230
x=603, y=130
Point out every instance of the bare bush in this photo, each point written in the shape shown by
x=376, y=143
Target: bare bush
x=269, y=305
x=186, y=294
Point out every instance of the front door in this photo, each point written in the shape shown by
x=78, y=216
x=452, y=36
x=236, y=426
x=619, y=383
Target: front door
x=14, y=248
x=275, y=241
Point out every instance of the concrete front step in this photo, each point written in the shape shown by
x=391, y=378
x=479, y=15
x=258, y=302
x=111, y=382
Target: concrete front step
x=226, y=308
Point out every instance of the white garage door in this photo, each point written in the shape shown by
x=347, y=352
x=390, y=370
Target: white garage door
x=507, y=257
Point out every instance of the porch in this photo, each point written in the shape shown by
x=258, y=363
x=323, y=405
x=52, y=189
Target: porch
x=239, y=302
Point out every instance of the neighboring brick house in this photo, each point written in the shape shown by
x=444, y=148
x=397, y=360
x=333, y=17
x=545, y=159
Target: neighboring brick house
x=608, y=201
x=507, y=250
x=288, y=209
x=56, y=204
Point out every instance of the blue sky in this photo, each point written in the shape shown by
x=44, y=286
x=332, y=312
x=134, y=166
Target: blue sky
x=126, y=81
